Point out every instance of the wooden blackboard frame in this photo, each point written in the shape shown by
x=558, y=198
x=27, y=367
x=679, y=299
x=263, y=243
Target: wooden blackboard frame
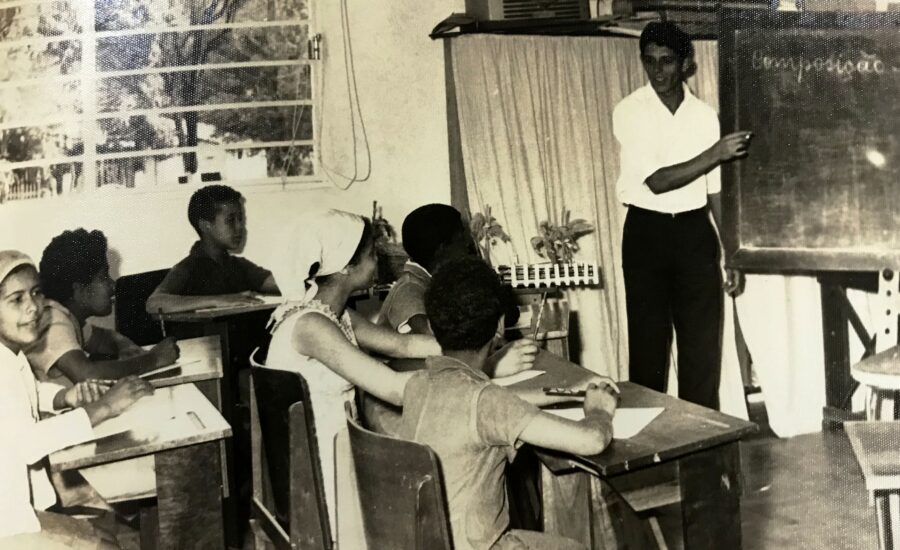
x=783, y=259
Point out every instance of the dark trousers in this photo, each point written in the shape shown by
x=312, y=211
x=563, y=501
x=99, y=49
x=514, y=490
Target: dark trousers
x=672, y=278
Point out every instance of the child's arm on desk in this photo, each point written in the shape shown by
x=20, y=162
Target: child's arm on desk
x=269, y=286
x=585, y=437
x=538, y=397
x=388, y=342
x=317, y=337
x=77, y=366
x=118, y=398
x=32, y=441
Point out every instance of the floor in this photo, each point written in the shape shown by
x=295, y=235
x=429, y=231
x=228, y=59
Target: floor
x=806, y=492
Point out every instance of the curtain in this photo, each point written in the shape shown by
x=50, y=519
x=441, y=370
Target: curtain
x=535, y=137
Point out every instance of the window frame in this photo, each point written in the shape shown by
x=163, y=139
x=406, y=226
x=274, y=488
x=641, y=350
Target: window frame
x=88, y=76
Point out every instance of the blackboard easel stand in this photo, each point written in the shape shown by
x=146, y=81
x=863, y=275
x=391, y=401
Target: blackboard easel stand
x=838, y=317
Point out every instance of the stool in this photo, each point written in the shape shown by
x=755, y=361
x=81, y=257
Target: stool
x=876, y=445
x=880, y=374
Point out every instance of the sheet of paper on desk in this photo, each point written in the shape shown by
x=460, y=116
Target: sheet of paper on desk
x=518, y=377
x=626, y=423
x=142, y=417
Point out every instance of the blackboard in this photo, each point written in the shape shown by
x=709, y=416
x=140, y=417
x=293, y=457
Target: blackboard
x=820, y=189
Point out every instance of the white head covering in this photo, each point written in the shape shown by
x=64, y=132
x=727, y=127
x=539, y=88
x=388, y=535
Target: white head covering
x=11, y=259
x=326, y=237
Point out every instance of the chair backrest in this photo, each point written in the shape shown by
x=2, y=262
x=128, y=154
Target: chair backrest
x=132, y=318
x=292, y=457
x=401, y=491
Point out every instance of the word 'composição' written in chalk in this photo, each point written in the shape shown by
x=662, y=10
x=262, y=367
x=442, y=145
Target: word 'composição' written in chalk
x=842, y=65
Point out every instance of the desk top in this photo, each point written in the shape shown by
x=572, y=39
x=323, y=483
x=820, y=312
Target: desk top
x=172, y=417
x=267, y=302
x=200, y=359
x=682, y=428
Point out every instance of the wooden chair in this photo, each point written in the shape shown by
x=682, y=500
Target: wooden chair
x=292, y=513
x=132, y=318
x=401, y=491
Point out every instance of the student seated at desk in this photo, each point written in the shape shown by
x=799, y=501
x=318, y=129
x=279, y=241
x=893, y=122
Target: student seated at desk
x=25, y=439
x=75, y=279
x=327, y=256
x=210, y=276
x=474, y=426
x=433, y=235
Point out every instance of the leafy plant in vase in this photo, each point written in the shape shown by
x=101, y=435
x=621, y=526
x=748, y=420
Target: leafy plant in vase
x=390, y=253
x=487, y=231
x=558, y=243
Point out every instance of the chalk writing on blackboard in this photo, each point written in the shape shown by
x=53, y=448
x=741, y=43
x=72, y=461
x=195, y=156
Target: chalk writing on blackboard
x=864, y=63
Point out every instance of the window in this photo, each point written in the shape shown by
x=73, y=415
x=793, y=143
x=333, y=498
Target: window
x=150, y=93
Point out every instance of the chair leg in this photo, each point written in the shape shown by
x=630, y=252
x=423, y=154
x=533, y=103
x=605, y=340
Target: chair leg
x=657, y=533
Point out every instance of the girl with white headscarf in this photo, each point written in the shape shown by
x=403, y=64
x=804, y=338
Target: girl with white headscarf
x=329, y=255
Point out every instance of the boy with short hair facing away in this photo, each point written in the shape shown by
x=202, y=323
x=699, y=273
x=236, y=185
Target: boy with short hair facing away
x=25, y=490
x=433, y=235
x=75, y=279
x=211, y=276
x=474, y=426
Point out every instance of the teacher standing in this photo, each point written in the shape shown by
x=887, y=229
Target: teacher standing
x=670, y=158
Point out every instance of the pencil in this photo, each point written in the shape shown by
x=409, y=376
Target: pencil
x=162, y=323
x=537, y=323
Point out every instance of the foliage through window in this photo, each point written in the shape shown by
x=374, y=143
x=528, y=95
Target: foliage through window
x=144, y=93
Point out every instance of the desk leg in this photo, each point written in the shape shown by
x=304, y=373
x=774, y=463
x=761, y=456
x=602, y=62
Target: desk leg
x=189, y=497
x=565, y=499
x=227, y=393
x=711, y=498
x=212, y=390
x=576, y=505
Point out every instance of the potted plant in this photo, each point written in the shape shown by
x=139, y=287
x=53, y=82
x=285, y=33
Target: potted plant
x=390, y=253
x=487, y=231
x=558, y=243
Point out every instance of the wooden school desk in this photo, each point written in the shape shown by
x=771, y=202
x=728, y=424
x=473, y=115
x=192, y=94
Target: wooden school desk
x=699, y=445
x=181, y=429
x=201, y=365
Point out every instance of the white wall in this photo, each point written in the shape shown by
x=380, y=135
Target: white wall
x=400, y=79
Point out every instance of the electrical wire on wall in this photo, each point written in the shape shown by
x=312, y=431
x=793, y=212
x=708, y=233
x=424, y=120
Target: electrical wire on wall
x=339, y=180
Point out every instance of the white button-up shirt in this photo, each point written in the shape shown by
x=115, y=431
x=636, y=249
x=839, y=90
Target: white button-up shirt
x=651, y=137
x=25, y=440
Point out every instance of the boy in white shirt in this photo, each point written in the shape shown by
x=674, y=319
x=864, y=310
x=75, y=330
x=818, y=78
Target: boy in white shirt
x=25, y=440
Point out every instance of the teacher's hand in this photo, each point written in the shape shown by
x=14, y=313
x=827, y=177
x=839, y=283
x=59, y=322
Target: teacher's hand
x=733, y=146
x=734, y=282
